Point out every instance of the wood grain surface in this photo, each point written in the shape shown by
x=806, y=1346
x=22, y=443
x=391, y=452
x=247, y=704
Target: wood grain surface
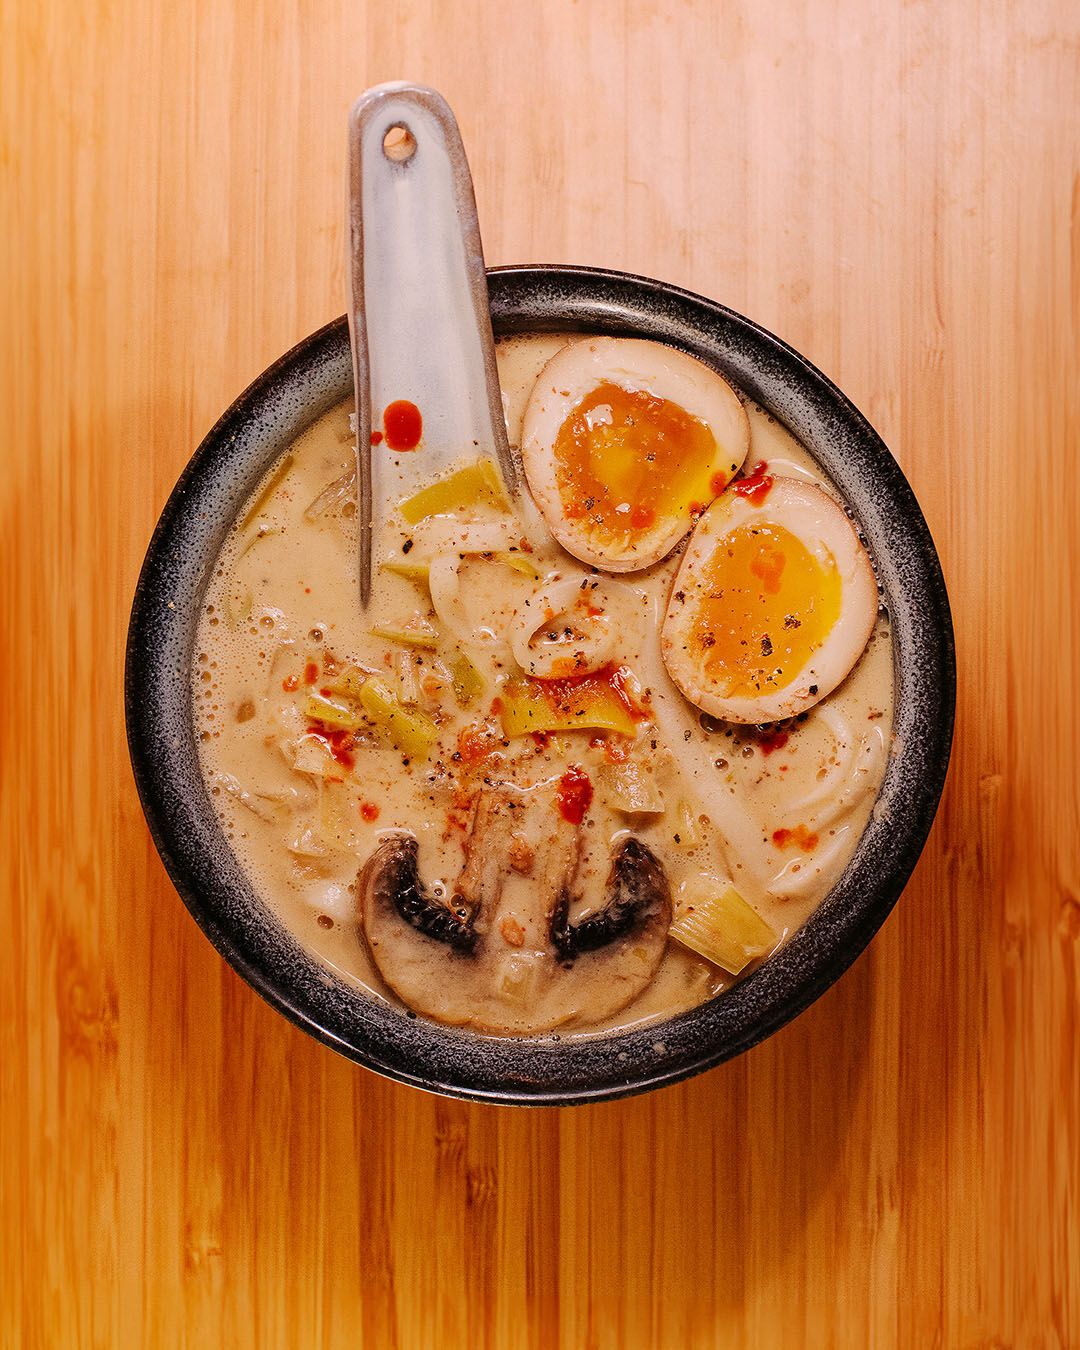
x=893, y=188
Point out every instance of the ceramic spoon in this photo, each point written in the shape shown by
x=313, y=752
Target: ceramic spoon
x=418, y=311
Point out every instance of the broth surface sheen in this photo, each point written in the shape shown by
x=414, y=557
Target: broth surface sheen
x=776, y=811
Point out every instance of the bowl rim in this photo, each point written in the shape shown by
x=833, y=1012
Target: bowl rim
x=541, y=1070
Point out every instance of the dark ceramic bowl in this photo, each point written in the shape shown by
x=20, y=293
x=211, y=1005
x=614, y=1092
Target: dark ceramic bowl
x=545, y=1070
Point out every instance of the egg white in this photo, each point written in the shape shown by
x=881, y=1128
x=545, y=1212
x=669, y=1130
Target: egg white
x=813, y=517
x=632, y=364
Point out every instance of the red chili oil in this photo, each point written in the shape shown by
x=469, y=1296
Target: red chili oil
x=340, y=744
x=772, y=740
x=803, y=838
x=575, y=793
x=403, y=425
x=755, y=486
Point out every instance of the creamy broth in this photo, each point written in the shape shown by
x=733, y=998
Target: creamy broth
x=778, y=812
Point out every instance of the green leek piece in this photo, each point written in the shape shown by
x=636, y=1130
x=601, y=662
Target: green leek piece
x=475, y=483
x=262, y=501
x=408, y=673
x=520, y=562
x=723, y=929
x=348, y=682
x=417, y=571
x=238, y=606
x=632, y=788
x=427, y=638
x=467, y=682
x=341, y=713
x=689, y=830
x=412, y=731
x=560, y=705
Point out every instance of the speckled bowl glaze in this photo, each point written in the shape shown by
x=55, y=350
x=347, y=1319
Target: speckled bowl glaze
x=542, y=1070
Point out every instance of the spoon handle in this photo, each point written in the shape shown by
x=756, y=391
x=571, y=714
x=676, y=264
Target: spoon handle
x=419, y=319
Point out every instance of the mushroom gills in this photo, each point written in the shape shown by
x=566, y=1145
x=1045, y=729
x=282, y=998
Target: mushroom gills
x=637, y=889
x=502, y=954
x=394, y=875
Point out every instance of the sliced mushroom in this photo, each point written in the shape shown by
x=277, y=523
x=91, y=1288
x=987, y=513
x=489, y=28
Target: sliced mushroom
x=502, y=953
x=638, y=892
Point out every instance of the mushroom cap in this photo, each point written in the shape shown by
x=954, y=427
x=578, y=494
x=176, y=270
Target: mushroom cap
x=514, y=977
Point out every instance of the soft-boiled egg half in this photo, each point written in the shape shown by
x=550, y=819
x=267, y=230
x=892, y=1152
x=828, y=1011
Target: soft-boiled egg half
x=773, y=603
x=625, y=443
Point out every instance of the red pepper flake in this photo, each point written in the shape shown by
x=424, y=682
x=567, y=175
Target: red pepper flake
x=772, y=740
x=290, y=682
x=755, y=486
x=369, y=811
x=800, y=836
x=540, y=738
x=376, y=437
x=403, y=425
x=575, y=793
x=311, y=673
x=327, y=693
x=641, y=517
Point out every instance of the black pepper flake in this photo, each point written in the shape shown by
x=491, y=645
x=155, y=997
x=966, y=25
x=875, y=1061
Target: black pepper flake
x=407, y=546
x=766, y=645
x=790, y=621
x=813, y=688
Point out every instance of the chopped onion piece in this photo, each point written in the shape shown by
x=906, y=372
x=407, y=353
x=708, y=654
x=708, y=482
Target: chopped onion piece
x=340, y=490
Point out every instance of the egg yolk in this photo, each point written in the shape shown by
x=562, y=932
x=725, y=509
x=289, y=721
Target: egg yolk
x=767, y=605
x=626, y=459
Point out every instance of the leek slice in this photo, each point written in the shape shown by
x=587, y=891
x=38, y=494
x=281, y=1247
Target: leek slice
x=520, y=562
x=426, y=637
x=633, y=788
x=262, y=501
x=340, y=713
x=466, y=680
x=475, y=483
x=527, y=706
x=412, y=731
x=416, y=571
x=348, y=682
x=408, y=678
x=723, y=929
x=689, y=831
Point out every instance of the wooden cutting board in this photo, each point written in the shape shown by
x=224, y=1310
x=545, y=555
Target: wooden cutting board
x=894, y=189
